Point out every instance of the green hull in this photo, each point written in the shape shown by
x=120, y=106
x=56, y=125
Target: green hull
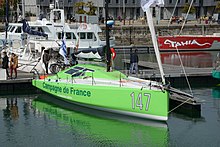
x=133, y=101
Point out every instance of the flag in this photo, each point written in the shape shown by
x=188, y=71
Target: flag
x=145, y=4
x=63, y=51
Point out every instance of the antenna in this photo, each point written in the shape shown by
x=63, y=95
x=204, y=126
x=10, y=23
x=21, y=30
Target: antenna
x=108, y=54
x=57, y=4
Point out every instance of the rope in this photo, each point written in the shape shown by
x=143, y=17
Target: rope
x=184, y=71
x=172, y=13
x=179, y=105
x=186, y=17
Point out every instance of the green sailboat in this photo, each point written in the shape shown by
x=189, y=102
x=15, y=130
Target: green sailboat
x=91, y=86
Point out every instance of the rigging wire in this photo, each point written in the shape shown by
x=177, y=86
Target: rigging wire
x=184, y=71
x=125, y=67
x=187, y=80
x=184, y=22
x=179, y=105
x=173, y=13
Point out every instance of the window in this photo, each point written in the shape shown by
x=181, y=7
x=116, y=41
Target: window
x=68, y=35
x=9, y=27
x=187, y=1
x=116, y=1
x=170, y=1
x=12, y=29
x=59, y=35
x=126, y=1
x=74, y=36
x=82, y=35
x=18, y=30
x=69, y=1
x=133, y=1
x=40, y=30
x=89, y=35
x=178, y=1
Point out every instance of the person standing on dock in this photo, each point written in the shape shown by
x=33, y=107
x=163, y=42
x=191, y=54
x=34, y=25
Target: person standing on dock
x=13, y=64
x=46, y=59
x=5, y=61
x=135, y=62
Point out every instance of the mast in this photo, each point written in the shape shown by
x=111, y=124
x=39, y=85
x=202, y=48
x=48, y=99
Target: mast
x=23, y=9
x=6, y=23
x=155, y=44
x=108, y=53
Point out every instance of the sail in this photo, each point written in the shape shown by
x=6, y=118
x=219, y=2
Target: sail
x=27, y=29
x=145, y=4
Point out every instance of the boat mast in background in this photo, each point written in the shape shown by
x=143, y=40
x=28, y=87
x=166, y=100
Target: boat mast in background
x=23, y=9
x=108, y=53
x=6, y=23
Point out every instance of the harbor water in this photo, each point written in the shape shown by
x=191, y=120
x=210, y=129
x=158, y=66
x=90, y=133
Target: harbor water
x=42, y=120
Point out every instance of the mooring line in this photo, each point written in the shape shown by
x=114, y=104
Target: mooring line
x=179, y=105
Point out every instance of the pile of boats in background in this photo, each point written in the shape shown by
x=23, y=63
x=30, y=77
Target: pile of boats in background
x=29, y=40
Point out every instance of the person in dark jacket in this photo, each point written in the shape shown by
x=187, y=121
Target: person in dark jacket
x=5, y=63
x=135, y=62
x=46, y=59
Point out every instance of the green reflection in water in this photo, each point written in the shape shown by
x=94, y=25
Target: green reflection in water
x=117, y=130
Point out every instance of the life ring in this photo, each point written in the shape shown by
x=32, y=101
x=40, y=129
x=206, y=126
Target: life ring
x=113, y=53
x=83, y=26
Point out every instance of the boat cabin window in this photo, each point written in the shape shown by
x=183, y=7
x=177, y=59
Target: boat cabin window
x=82, y=35
x=74, y=36
x=40, y=30
x=68, y=35
x=9, y=27
x=89, y=35
x=12, y=29
x=59, y=35
x=18, y=30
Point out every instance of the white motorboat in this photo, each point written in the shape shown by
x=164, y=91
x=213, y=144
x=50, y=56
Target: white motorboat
x=82, y=34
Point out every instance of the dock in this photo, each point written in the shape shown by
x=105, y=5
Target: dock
x=20, y=85
x=173, y=73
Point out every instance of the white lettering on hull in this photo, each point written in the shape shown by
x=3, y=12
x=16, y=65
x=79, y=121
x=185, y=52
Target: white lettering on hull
x=184, y=43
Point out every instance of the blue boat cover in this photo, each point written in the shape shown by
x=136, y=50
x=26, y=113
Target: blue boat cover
x=27, y=29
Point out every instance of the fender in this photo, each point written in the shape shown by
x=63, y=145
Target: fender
x=113, y=53
x=83, y=26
